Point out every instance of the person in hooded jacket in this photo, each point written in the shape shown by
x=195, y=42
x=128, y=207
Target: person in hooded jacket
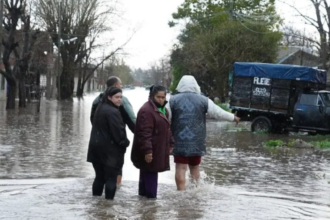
x=108, y=143
x=153, y=141
x=125, y=109
x=187, y=111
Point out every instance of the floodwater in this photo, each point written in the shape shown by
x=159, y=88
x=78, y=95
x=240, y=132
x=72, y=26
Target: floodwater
x=44, y=173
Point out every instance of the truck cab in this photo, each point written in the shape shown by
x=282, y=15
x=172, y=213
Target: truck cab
x=312, y=111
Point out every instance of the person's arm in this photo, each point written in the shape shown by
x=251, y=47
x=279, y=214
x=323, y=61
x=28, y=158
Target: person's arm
x=214, y=111
x=117, y=128
x=128, y=114
x=145, y=132
x=169, y=112
x=171, y=138
x=94, y=107
x=127, y=120
x=129, y=109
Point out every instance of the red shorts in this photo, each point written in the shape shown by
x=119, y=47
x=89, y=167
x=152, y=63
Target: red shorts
x=192, y=161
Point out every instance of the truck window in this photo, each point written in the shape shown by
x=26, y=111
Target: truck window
x=326, y=98
x=308, y=99
x=319, y=100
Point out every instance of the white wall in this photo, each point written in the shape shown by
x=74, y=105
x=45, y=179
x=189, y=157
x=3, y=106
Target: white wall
x=3, y=91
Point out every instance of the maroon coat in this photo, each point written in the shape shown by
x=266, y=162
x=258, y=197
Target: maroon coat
x=152, y=135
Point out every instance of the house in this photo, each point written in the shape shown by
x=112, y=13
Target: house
x=297, y=56
x=300, y=56
x=3, y=88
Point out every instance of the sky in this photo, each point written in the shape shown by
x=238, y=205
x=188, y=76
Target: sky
x=153, y=38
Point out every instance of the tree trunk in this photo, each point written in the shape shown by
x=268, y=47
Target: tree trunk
x=48, y=85
x=28, y=94
x=67, y=84
x=53, y=86
x=79, y=91
x=38, y=90
x=21, y=92
x=82, y=88
x=11, y=96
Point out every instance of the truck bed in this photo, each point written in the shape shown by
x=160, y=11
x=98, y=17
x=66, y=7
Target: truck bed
x=268, y=89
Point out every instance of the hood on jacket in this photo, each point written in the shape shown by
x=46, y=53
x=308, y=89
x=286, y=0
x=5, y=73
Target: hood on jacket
x=188, y=84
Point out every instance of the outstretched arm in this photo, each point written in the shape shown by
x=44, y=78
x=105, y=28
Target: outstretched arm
x=214, y=111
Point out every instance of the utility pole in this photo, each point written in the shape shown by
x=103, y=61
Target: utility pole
x=302, y=50
x=231, y=9
x=1, y=21
x=59, y=52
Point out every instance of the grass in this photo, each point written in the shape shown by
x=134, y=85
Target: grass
x=291, y=143
x=324, y=144
x=274, y=143
x=327, y=136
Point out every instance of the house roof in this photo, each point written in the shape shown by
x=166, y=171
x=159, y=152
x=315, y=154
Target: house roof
x=285, y=52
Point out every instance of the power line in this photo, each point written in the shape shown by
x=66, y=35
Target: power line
x=257, y=32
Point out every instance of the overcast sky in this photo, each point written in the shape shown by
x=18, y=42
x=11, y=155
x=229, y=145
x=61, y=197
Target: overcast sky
x=153, y=38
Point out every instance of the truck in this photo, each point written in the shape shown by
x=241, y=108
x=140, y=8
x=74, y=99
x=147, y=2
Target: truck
x=280, y=98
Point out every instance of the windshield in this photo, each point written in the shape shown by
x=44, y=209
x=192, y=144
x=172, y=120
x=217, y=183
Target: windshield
x=326, y=98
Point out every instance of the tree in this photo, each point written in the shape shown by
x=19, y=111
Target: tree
x=85, y=75
x=117, y=67
x=294, y=37
x=24, y=59
x=74, y=19
x=220, y=33
x=321, y=22
x=159, y=73
x=15, y=11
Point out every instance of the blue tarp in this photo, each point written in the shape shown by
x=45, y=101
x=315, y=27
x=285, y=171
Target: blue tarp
x=280, y=71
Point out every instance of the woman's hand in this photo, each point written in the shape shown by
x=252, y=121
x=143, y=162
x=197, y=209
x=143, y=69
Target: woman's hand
x=171, y=150
x=148, y=158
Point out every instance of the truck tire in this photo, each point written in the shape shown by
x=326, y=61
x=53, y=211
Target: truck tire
x=261, y=124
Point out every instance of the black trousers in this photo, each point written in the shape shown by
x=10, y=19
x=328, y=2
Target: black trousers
x=105, y=176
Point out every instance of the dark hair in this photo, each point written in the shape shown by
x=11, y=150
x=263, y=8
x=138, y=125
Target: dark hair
x=154, y=89
x=112, y=80
x=110, y=92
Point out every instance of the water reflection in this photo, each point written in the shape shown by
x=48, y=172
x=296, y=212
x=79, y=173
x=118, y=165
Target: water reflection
x=44, y=173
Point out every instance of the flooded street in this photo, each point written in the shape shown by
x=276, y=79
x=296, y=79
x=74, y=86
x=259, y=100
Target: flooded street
x=44, y=173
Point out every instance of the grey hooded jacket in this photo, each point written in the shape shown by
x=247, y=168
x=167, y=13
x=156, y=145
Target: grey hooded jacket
x=187, y=111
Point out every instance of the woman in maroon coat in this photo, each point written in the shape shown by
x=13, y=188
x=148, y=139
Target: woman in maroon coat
x=153, y=141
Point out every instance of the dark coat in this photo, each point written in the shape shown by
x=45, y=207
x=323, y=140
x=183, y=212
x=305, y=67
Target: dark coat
x=125, y=109
x=152, y=135
x=108, y=139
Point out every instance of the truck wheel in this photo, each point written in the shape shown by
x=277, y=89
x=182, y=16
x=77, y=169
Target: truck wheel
x=261, y=124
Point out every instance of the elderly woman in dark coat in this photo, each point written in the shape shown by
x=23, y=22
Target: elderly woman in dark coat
x=153, y=141
x=108, y=143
